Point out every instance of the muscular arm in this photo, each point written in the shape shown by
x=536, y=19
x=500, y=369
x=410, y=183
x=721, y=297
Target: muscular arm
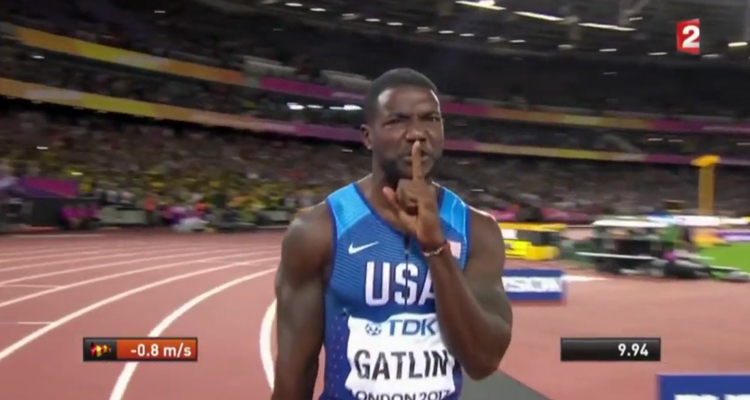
x=473, y=310
x=305, y=252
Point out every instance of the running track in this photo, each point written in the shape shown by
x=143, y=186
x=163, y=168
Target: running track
x=54, y=291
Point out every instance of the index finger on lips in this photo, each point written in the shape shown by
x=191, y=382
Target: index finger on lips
x=416, y=162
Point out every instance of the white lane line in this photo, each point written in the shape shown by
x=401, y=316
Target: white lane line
x=61, y=252
x=112, y=264
x=266, y=352
x=63, y=258
x=29, y=286
x=113, y=276
x=35, y=252
x=121, y=385
x=57, y=235
x=583, y=278
x=26, y=340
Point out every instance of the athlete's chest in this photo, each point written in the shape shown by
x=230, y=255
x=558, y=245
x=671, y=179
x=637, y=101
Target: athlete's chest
x=375, y=266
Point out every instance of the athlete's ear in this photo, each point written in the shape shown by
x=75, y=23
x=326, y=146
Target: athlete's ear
x=366, y=138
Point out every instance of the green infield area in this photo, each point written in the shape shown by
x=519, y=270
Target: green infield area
x=734, y=255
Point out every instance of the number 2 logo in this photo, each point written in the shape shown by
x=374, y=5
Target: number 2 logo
x=693, y=34
x=688, y=36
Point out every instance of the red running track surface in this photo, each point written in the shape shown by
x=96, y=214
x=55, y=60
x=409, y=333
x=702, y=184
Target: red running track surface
x=55, y=291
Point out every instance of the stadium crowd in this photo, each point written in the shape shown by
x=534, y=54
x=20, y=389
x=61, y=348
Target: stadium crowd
x=193, y=32
x=178, y=163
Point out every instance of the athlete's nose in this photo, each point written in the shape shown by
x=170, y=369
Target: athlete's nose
x=415, y=134
x=424, y=147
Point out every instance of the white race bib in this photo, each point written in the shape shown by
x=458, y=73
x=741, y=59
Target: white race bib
x=402, y=358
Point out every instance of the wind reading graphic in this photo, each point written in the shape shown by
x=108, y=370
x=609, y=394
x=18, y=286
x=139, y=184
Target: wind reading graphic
x=140, y=349
x=100, y=350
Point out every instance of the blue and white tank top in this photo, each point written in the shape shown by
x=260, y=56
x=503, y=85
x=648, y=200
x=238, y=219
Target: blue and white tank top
x=382, y=340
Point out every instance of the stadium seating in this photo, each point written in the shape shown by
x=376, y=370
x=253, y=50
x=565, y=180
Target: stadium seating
x=178, y=160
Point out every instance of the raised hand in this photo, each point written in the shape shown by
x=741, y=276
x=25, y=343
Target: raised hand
x=415, y=203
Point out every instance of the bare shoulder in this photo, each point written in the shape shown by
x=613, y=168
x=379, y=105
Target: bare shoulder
x=310, y=218
x=486, y=246
x=484, y=224
x=307, y=244
x=486, y=263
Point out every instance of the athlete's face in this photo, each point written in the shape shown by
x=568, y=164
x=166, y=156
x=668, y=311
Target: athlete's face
x=405, y=114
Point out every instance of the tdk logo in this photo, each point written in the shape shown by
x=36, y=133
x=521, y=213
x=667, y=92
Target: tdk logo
x=711, y=397
x=404, y=327
x=517, y=284
x=412, y=327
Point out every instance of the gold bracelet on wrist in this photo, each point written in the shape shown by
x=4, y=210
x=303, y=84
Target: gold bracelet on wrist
x=436, y=252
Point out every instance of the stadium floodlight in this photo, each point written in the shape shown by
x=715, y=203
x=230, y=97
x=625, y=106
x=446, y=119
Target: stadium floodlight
x=737, y=44
x=516, y=41
x=607, y=27
x=484, y=4
x=445, y=32
x=318, y=9
x=607, y=50
x=658, y=53
x=293, y=5
x=467, y=34
x=395, y=23
x=372, y=20
x=545, y=17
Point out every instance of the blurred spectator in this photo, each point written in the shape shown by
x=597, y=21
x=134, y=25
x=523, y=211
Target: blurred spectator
x=195, y=32
x=78, y=74
x=123, y=160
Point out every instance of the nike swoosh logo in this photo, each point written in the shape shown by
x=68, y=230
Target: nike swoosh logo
x=355, y=250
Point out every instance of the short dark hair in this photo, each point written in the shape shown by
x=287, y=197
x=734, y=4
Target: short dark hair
x=391, y=79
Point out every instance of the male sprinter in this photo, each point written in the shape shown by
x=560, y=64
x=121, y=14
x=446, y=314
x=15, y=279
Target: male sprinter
x=396, y=276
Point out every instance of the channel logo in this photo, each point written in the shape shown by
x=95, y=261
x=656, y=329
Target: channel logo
x=535, y=285
x=704, y=387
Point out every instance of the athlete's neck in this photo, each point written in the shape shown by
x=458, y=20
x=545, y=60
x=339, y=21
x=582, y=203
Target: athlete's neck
x=372, y=186
x=379, y=180
x=372, y=189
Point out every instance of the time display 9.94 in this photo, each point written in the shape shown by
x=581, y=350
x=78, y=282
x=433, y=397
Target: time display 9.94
x=610, y=349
